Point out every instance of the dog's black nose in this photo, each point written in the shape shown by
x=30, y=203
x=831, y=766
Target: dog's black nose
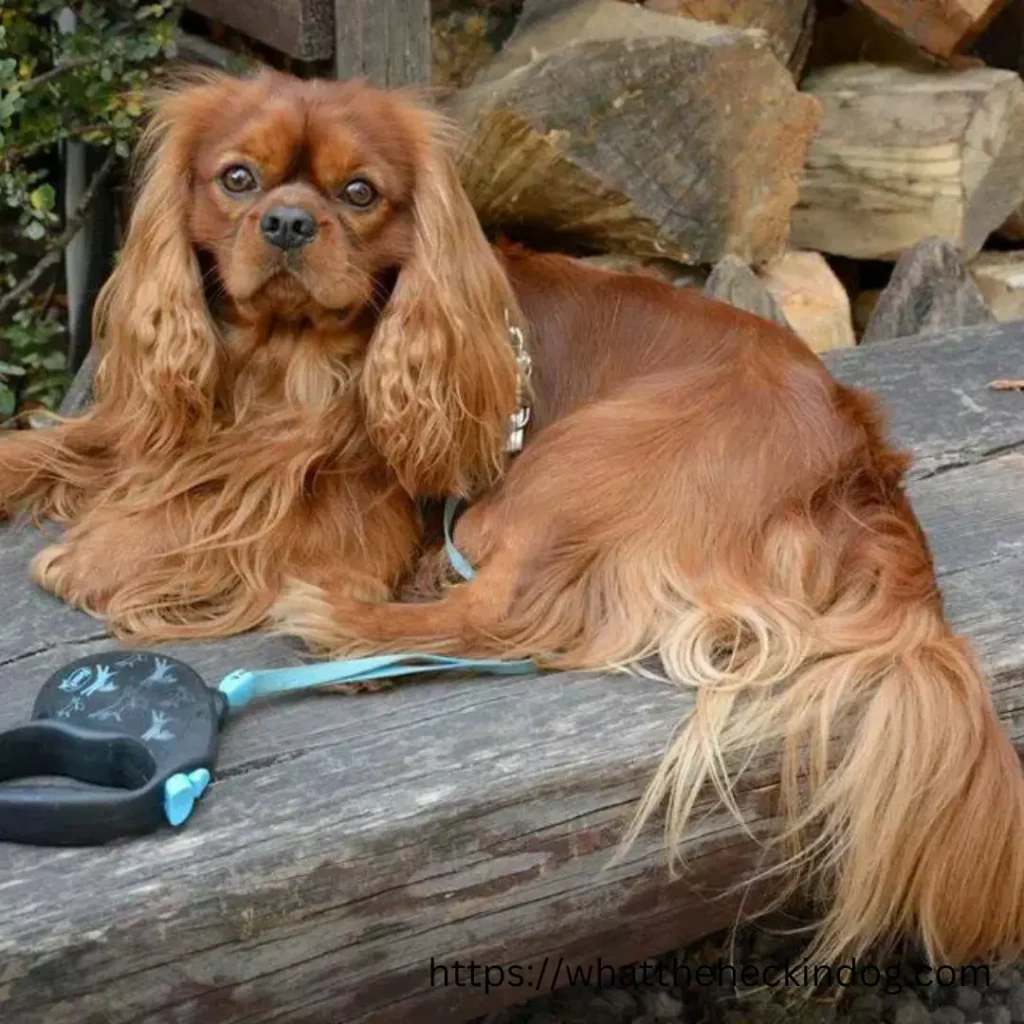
x=288, y=227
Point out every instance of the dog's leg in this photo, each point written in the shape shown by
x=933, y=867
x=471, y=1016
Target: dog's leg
x=465, y=621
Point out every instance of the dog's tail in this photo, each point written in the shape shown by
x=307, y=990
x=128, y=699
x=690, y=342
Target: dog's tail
x=901, y=792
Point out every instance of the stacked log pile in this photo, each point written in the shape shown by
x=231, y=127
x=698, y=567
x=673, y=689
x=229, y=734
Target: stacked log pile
x=854, y=169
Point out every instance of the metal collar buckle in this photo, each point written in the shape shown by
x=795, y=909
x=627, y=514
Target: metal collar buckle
x=524, y=365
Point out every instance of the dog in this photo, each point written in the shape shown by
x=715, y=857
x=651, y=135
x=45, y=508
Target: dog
x=307, y=335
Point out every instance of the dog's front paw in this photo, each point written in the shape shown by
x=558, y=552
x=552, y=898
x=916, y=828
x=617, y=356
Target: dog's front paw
x=49, y=570
x=304, y=610
x=54, y=570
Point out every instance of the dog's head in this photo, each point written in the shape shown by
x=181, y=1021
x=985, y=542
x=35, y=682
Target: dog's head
x=312, y=202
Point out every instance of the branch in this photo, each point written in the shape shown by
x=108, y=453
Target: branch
x=46, y=76
x=57, y=247
x=11, y=155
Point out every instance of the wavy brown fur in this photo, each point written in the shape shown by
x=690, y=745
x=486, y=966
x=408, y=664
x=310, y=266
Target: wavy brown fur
x=695, y=486
x=267, y=415
x=699, y=488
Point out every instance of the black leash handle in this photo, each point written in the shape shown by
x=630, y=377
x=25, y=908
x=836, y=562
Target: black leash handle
x=135, y=733
x=129, y=803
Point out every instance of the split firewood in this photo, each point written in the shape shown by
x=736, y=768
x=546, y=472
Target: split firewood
x=1000, y=278
x=930, y=290
x=845, y=33
x=903, y=155
x=812, y=299
x=788, y=24
x=942, y=27
x=734, y=282
x=638, y=132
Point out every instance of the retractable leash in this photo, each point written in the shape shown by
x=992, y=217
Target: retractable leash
x=141, y=730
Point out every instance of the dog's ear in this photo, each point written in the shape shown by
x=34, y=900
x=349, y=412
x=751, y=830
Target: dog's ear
x=439, y=381
x=158, y=340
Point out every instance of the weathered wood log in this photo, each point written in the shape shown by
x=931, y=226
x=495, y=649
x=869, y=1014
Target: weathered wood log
x=347, y=842
x=930, y=290
x=1000, y=279
x=303, y=29
x=904, y=155
x=788, y=24
x=635, y=131
x=941, y=27
x=812, y=299
x=845, y=34
x=734, y=282
x=385, y=41
x=460, y=46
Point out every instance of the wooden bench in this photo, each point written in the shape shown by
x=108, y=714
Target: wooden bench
x=350, y=842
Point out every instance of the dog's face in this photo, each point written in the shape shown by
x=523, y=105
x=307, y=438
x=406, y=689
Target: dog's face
x=303, y=192
x=313, y=201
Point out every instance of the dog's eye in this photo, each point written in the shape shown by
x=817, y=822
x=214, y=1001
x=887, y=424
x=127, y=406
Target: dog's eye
x=238, y=179
x=360, y=194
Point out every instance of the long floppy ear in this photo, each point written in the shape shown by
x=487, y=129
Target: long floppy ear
x=439, y=382
x=158, y=341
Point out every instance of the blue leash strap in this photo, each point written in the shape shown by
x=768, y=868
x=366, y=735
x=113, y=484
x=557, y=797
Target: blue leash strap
x=242, y=686
x=459, y=561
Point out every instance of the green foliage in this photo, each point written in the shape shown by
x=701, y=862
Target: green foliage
x=83, y=85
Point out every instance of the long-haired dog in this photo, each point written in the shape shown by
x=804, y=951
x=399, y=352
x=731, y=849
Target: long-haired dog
x=307, y=332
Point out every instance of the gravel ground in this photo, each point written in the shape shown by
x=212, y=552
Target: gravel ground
x=893, y=994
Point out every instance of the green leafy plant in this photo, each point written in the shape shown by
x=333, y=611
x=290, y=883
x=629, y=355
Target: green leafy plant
x=61, y=79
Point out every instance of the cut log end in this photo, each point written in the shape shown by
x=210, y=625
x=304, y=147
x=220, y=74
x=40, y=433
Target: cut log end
x=622, y=129
x=904, y=155
x=812, y=299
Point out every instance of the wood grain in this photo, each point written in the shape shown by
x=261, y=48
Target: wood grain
x=1000, y=279
x=935, y=393
x=303, y=29
x=904, y=154
x=942, y=27
x=812, y=299
x=347, y=841
x=788, y=24
x=625, y=130
x=385, y=41
x=929, y=290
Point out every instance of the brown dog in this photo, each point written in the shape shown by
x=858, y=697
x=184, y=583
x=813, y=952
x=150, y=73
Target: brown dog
x=307, y=332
